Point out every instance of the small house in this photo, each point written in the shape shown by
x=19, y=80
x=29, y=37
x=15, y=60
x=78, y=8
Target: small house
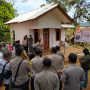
x=47, y=23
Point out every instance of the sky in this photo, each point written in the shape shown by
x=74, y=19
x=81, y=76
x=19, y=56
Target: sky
x=23, y=7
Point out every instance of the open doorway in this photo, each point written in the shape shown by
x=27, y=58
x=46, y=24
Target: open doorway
x=36, y=35
x=58, y=35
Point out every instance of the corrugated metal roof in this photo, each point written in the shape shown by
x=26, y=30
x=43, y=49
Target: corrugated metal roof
x=32, y=14
x=85, y=24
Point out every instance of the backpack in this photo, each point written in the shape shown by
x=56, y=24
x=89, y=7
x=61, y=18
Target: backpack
x=2, y=74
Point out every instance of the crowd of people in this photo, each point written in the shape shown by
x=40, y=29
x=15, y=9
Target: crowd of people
x=20, y=70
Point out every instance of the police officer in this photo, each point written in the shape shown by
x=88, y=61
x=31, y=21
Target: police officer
x=57, y=62
x=46, y=80
x=72, y=74
x=36, y=66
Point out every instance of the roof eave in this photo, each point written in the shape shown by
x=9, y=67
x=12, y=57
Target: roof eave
x=62, y=10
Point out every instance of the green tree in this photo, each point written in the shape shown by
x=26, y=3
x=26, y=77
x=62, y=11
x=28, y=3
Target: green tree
x=6, y=13
x=80, y=8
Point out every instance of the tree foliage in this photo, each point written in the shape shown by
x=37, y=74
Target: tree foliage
x=80, y=8
x=6, y=14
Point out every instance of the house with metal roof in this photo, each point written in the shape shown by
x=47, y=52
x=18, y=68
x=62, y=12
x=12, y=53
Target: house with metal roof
x=47, y=23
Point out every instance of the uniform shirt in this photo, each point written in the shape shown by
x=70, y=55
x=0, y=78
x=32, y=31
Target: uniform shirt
x=24, y=42
x=7, y=67
x=72, y=76
x=61, y=54
x=46, y=80
x=23, y=72
x=57, y=62
x=36, y=65
x=85, y=62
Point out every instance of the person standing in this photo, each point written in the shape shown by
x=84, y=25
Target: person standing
x=5, y=66
x=30, y=44
x=85, y=64
x=72, y=74
x=10, y=47
x=36, y=66
x=25, y=44
x=20, y=71
x=57, y=62
x=59, y=52
x=4, y=47
x=40, y=45
x=46, y=80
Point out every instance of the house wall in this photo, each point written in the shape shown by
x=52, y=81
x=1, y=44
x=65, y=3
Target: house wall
x=49, y=20
x=62, y=34
x=20, y=30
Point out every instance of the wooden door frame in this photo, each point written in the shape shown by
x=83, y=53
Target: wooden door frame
x=48, y=36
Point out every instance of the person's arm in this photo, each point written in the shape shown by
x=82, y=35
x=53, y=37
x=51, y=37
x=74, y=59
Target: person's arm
x=57, y=83
x=63, y=76
x=32, y=70
x=83, y=76
x=61, y=65
x=36, y=84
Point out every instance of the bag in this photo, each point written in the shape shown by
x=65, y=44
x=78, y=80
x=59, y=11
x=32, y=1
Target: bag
x=2, y=75
x=7, y=74
x=1, y=79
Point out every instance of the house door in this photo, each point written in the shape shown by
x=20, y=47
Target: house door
x=58, y=35
x=36, y=35
x=46, y=38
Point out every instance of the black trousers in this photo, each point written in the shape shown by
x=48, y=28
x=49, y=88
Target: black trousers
x=6, y=87
x=32, y=83
x=26, y=48
x=60, y=88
